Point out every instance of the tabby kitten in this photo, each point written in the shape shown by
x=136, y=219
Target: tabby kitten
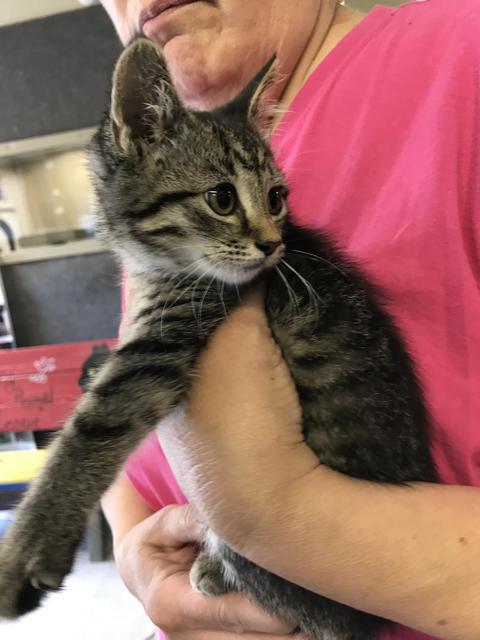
x=195, y=208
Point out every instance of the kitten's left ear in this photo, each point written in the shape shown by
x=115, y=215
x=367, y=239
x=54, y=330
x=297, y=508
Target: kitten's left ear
x=251, y=105
x=144, y=99
x=260, y=113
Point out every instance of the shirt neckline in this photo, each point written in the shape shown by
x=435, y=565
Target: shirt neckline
x=374, y=20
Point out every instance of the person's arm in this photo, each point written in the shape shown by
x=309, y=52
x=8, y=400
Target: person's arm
x=409, y=554
x=123, y=509
x=154, y=553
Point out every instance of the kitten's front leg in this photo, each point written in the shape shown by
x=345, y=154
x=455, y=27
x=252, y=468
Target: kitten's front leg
x=39, y=547
x=125, y=403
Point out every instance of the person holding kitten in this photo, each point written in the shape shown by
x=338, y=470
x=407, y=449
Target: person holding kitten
x=379, y=143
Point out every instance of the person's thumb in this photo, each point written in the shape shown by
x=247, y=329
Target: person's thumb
x=175, y=526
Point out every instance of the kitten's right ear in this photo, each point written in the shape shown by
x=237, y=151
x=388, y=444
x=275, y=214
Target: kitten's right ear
x=144, y=99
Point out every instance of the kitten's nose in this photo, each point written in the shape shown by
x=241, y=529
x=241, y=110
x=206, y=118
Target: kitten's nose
x=269, y=246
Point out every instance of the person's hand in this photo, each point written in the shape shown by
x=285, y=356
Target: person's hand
x=239, y=446
x=154, y=559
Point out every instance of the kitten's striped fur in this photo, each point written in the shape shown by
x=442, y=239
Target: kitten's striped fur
x=153, y=162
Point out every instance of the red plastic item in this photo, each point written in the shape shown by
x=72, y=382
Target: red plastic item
x=40, y=386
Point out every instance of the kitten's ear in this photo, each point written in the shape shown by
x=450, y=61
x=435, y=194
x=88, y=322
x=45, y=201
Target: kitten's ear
x=250, y=105
x=144, y=100
x=260, y=112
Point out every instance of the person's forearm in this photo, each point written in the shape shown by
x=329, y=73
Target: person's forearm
x=123, y=508
x=410, y=554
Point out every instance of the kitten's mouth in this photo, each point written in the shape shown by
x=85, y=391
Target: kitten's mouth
x=261, y=264
x=247, y=270
x=238, y=271
x=253, y=265
x=257, y=264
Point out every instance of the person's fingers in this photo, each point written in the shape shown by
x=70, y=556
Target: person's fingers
x=175, y=607
x=232, y=612
x=173, y=527
x=224, y=635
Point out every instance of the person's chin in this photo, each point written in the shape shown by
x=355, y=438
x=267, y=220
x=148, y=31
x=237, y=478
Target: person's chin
x=202, y=80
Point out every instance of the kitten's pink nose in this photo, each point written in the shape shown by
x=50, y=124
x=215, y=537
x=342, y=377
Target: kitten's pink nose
x=268, y=247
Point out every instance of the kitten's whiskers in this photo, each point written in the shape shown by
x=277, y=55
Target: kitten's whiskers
x=204, y=297
x=168, y=303
x=291, y=293
x=312, y=294
x=238, y=292
x=314, y=256
x=192, y=298
x=221, y=296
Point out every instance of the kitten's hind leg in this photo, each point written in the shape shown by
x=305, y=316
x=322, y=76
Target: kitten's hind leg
x=124, y=404
x=212, y=574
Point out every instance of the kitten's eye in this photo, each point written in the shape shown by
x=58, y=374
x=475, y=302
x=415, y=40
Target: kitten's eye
x=275, y=200
x=223, y=199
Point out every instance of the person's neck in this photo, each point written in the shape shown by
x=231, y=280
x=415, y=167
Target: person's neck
x=333, y=23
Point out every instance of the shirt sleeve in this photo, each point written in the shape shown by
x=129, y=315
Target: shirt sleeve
x=149, y=473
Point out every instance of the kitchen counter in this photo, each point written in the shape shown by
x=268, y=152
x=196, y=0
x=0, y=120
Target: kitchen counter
x=49, y=252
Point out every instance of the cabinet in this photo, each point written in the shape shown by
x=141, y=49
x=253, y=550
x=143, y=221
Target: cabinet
x=55, y=73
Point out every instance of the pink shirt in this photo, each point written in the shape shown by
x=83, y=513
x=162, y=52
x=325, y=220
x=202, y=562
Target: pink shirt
x=381, y=147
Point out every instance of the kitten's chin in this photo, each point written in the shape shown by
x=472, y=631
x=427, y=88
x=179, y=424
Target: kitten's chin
x=233, y=274
x=241, y=276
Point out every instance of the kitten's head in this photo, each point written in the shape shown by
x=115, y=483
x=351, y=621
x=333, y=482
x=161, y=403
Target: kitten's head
x=179, y=190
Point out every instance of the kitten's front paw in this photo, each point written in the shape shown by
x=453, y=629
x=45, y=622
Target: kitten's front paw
x=26, y=577
x=206, y=576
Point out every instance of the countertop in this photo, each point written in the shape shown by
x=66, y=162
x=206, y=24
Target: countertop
x=50, y=252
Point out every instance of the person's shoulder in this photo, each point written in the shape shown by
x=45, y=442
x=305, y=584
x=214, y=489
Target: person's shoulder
x=446, y=16
x=427, y=34
x=447, y=8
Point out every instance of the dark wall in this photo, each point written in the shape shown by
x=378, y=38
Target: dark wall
x=63, y=299
x=55, y=73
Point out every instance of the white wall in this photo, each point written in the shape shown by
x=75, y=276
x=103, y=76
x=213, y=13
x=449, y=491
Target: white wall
x=14, y=204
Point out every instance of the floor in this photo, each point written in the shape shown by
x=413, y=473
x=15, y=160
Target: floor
x=93, y=606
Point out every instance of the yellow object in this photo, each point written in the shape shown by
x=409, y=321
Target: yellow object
x=19, y=467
